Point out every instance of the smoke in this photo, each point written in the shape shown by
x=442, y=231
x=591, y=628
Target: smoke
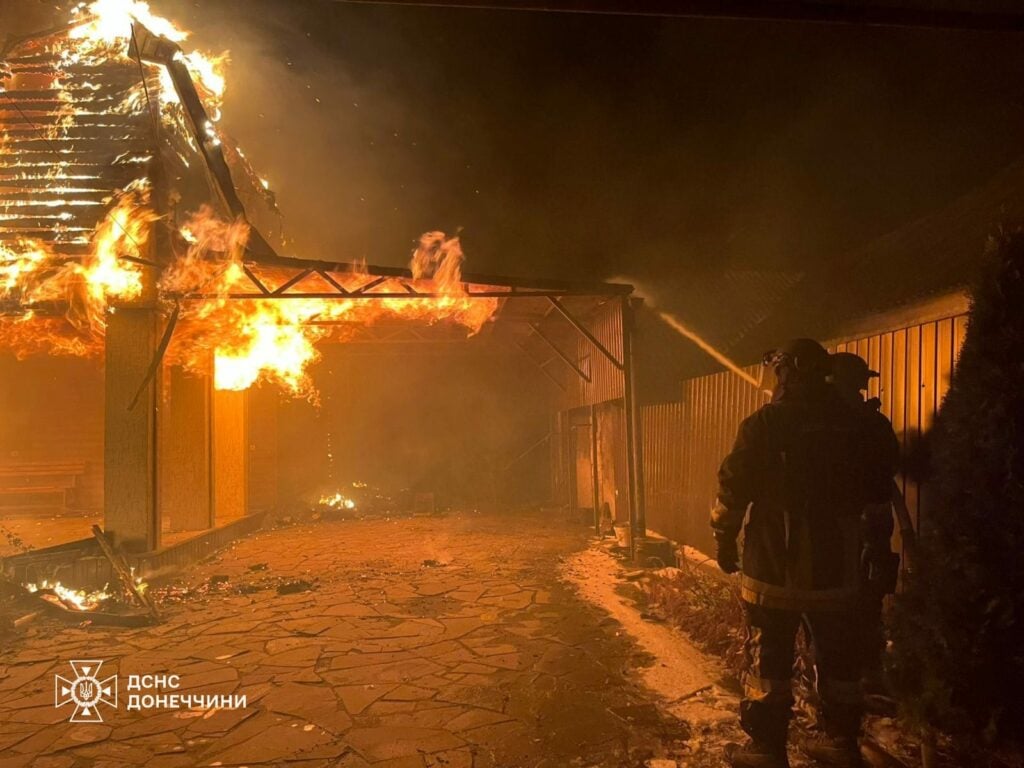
x=684, y=330
x=569, y=146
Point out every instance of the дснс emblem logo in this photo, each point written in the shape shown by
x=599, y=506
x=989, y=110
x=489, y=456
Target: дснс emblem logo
x=86, y=691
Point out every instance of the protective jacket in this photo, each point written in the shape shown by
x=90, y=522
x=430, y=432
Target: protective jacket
x=878, y=519
x=804, y=467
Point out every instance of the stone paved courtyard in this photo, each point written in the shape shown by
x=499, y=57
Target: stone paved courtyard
x=442, y=641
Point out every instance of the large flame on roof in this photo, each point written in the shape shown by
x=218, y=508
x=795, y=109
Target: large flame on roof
x=106, y=27
x=239, y=341
x=275, y=340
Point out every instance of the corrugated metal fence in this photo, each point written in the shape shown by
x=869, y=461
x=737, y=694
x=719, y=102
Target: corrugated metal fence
x=713, y=407
x=663, y=465
x=915, y=364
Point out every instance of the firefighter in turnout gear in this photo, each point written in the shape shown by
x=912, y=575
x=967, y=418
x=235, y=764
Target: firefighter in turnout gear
x=799, y=475
x=879, y=564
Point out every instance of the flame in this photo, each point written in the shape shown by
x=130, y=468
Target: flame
x=275, y=340
x=106, y=28
x=82, y=600
x=18, y=264
x=122, y=235
x=249, y=340
x=28, y=274
x=240, y=342
x=337, y=501
x=108, y=22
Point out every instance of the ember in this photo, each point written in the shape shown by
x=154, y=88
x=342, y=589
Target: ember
x=337, y=501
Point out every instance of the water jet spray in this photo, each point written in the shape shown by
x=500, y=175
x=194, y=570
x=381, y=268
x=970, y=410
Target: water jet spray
x=684, y=330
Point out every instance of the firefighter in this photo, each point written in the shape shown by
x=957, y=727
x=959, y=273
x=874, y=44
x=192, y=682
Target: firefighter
x=879, y=564
x=795, y=482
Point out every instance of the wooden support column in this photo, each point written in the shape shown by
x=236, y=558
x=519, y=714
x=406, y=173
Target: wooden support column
x=130, y=445
x=186, y=461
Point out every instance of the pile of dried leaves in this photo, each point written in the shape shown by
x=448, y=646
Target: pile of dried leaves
x=705, y=606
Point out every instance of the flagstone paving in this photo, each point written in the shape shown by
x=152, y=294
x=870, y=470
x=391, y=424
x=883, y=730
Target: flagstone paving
x=441, y=641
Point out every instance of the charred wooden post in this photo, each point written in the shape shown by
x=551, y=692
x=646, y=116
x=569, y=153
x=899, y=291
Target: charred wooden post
x=130, y=418
x=130, y=436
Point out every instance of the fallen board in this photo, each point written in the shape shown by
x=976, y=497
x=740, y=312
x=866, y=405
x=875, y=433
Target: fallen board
x=124, y=573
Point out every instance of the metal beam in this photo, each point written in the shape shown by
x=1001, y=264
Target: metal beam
x=362, y=294
x=937, y=15
x=558, y=351
x=363, y=289
x=294, y=280
x=586, y=333
x=527, y=452
x=539, y=366
x=159, y=50
x=334, y=283
x=255, y=280
x=522, y=286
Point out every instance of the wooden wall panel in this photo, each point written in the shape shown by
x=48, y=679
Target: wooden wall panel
x=52, y=411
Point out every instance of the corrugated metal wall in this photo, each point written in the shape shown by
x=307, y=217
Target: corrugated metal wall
x=663, y=468
x=915, y=364
x=572, y=479
x=713, y=407
x=606, y=382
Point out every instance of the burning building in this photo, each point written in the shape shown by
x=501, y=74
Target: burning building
x=150, y=322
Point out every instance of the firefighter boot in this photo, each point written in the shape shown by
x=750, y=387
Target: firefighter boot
x=756, y=754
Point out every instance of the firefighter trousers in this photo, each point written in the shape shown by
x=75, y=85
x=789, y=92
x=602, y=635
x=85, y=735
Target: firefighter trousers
x=769, y=651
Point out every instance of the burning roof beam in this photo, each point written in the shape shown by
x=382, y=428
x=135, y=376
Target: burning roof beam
x=159, y=50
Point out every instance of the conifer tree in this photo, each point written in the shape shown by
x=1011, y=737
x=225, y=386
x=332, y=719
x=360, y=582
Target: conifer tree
x=958, y=652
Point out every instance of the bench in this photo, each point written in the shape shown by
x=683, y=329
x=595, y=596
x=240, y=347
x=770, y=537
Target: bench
x=39, y=485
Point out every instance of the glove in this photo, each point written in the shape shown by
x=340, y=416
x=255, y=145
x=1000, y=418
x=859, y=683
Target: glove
x=727, y=555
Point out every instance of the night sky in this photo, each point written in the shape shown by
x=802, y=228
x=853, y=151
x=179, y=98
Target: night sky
x=605, y=146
